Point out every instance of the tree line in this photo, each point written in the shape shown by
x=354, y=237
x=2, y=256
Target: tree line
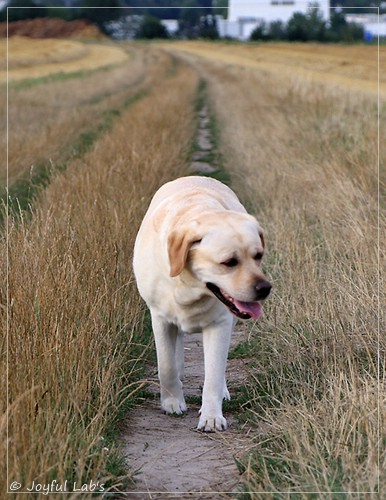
x=195, y=19
x=310, y=27
x=112, y=9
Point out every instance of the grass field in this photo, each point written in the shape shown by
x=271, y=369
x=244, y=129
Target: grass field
x=339, y=66
x=303, y=155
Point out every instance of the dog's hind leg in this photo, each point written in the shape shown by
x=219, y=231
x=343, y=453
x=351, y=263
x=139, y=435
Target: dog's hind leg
x=166, y=335
x=180, y=355
x=226, y=395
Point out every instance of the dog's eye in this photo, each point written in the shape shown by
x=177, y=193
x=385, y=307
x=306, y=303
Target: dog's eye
x=258, y=256
x=230, y=262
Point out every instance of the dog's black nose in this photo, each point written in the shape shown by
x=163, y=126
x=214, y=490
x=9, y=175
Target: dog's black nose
x=263, y=289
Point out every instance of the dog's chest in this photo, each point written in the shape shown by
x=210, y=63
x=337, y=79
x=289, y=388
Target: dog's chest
x=193, y=309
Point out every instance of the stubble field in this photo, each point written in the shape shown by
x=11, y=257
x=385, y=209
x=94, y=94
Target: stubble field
x=297, y=134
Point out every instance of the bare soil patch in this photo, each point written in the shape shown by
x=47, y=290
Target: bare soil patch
x=51, y=28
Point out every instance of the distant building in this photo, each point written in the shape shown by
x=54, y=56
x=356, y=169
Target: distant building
x=171, y=25
x=245, y=15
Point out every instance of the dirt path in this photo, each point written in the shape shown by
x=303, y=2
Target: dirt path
x=171, y=458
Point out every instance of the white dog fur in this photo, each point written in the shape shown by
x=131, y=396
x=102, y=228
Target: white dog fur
x=197, y=262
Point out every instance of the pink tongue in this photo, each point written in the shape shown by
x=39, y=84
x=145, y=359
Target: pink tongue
x=254, y=309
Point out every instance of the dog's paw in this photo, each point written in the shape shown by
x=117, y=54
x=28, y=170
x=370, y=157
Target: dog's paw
x=212, y=423
x=174, y=405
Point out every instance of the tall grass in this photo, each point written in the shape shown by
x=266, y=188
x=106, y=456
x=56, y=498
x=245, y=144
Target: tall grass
x=75, y=328
x=304, y=157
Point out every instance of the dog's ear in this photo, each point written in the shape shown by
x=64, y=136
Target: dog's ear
x=179, y=243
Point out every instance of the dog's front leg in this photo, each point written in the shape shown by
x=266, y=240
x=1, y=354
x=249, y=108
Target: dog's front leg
x=216, y=340
x=172, y=396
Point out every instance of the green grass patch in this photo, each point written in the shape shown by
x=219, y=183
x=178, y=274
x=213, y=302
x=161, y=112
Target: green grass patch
x=200, y=96
x=220, y=175
x=287, y=476
x=244, y=350
x=193, y=400
x=57, y=77
x=239, y=402
x=213, y=157
x=172, y=68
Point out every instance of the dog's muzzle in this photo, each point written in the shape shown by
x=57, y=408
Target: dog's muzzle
x=263, y=289
x=243, y=310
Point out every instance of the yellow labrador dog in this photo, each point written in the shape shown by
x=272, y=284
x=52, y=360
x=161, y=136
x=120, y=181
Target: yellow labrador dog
x=197, y=262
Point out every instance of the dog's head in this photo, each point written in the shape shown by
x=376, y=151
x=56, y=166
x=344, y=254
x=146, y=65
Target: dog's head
x=223, y=250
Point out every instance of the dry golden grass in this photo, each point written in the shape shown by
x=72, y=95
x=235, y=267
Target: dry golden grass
x=75, y=335
x=26, y=52
x=45, y=118
x=34, y=58
x=348, y=67
x=304, y=156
